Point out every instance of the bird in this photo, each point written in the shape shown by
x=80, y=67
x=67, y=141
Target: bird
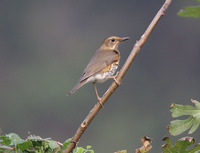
x=102, y=65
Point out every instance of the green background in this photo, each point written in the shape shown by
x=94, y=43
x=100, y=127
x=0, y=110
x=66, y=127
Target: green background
x=45, y=45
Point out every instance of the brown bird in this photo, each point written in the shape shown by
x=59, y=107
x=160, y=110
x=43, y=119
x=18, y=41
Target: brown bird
x=102, y=65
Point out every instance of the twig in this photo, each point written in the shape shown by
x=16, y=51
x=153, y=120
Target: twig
x=6, y=147
x=121, y=74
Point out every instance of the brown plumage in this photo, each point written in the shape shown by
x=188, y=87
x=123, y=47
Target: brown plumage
x=102, y=65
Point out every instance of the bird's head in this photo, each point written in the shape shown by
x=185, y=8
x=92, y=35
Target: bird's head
x=112, y=42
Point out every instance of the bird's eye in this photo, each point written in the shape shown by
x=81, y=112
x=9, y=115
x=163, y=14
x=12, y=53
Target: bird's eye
x=112, y=39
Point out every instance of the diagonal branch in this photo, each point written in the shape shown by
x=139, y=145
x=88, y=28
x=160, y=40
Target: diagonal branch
x=121, y=74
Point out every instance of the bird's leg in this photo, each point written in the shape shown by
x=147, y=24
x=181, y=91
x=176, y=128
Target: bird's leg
x=98, y=98
x=114, y=78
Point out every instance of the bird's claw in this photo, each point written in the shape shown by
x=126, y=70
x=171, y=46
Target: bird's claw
x=99, y=99
x=116, y=81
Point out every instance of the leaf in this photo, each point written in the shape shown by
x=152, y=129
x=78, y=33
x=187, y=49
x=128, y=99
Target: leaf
x=177, y=127
x=180, y=146
x=36, y=138
x=79, y=150
x=53, y=144
x=92, y=151
x=88, y=147
x=146, y=141
x=25, y=145
x=14, y=138
x=190, y=11
x=5, y=140
x=67, y=142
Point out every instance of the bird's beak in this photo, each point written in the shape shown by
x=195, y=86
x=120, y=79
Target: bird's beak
x=125, y=38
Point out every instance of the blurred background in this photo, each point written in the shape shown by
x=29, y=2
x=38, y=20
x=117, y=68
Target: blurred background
x=45, y=45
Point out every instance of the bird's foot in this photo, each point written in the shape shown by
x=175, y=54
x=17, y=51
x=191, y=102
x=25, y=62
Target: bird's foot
x=99, y=100
x=114, y=78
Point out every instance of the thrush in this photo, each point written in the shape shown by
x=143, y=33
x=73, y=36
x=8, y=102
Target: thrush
x=102, y=65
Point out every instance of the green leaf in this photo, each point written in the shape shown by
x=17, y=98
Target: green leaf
x=5, y=140
x=53, y=144
x=79, y=150
x=14, y=138
x=35, y=144
x=1, y=150
x=92, y=151
x=180, y=146
x=67, y=142
x=190, y=11
x=25, y=145
x=88, y=147
x=35, y=138
x=177, y=127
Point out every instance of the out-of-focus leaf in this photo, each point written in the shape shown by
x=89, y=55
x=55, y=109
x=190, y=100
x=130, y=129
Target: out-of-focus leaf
x=190, y=11
x=88, y=147
x=177, y=127
x=92, y=151
x=146, y=141
x=79, y=150
x=25, y=145
x=67, y=142
x=36, y=138
x=12, y=142
x=5, y=140
x=180, y=146
x=14, y=138
x=53, y=144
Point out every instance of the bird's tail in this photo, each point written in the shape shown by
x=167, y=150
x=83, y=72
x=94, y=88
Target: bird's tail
x=77, y=86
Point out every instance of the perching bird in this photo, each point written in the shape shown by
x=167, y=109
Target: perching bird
x=102, y=65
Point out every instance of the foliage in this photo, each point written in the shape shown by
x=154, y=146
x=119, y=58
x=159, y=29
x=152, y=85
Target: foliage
x=179, y=126
x=35, y=144
x=180, y=146
x=146, y=147
x=190, y=11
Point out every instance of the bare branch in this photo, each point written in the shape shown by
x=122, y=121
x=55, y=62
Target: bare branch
x=121, y=74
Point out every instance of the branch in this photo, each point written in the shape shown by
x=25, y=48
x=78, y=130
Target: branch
x=121, y=74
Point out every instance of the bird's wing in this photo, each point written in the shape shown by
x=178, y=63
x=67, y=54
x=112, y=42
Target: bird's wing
x=100, y=60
